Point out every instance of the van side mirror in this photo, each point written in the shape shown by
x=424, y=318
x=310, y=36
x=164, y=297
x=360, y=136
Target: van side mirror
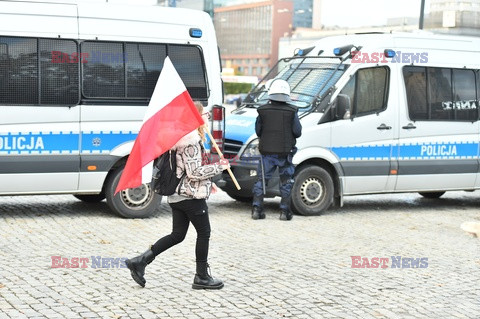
x=342, y=106
x=339, y=109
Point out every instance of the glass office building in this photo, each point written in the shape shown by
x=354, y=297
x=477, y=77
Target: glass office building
x=248, y=34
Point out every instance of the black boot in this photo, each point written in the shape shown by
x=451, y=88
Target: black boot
x=286, y=213
x=203, y=280
x=257, y=213
x=137, y=266
x=257, y=208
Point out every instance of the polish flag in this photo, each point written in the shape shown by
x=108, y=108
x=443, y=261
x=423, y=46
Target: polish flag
x=170, y=115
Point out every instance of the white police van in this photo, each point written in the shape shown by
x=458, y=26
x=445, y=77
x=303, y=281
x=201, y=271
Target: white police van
x=75, y=80
x=381, y=113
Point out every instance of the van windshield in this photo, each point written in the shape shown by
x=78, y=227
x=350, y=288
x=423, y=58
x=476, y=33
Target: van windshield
x=310, y=78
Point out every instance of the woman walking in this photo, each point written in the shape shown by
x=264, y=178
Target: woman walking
x=188, y=206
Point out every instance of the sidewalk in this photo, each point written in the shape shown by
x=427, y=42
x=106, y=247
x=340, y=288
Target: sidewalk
x=271, y=268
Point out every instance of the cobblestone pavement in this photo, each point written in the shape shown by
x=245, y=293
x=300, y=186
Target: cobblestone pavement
x=271, y=268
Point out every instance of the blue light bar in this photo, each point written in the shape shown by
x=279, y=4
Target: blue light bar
x=389, y=53
x=343, y=50
x=195, y=33
x=303, y=52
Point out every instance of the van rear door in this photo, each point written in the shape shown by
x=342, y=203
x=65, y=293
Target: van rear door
x=39, y=93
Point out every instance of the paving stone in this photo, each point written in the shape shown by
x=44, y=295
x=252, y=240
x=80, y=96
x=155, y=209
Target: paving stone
x=271, y=269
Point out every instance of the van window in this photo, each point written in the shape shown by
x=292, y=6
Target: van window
x=368, y=91
x=18, y=71
x=465, y=95
x=131, y=70
x=104, y=72
x=189, y=64
x=441, y=94
x=439, y=90
x=478, y=87
x=309, y=82
x=21, y=68
x=416, y=86
x=59, y=71
x=144, y=63
x=308, y=77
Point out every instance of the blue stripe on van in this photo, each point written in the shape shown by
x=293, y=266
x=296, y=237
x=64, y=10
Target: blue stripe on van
x=39, y=143
x=439, y=151
x=104, y=142
x=466, y=150
x=362, y=152
x=46, y=143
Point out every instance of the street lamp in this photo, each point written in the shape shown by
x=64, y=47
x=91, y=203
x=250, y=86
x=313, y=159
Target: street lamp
x=422, y=11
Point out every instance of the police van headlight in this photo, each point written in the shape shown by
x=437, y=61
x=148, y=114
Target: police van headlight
x=251, y=151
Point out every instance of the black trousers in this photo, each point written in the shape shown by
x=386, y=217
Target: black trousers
x=184, y=212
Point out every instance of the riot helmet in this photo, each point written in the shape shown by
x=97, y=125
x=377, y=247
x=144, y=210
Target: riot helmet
x=279, y=91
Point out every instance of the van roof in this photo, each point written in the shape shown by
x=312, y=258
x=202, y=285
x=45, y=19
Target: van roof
x=117, y=11
x=104, y=21
x=415, y=40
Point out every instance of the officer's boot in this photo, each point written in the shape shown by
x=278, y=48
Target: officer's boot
x=257, y=208
x=286, y=212
x=257, y=213
x=137, y=266
x=203, y=280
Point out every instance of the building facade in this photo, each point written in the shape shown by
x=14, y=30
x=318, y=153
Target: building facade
x=455, y=17
x=307, y=14
x=204, y=5
x=248, y=31
x=303, y=12
x=248, y=34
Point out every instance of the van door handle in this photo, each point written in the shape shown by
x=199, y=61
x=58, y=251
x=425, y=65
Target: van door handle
x=409, y=126
x=384, y=127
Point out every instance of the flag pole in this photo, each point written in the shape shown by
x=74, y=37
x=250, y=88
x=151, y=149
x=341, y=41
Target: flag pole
x=221, y=156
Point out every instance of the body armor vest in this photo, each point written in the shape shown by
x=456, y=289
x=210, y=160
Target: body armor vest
x=277, y=125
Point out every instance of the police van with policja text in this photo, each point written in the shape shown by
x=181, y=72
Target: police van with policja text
x=381, y=113
x=75, y=81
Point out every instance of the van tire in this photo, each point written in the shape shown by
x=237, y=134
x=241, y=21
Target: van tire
x=139, y=202
x=431, y=195
x=92, y=198
x=313, y=191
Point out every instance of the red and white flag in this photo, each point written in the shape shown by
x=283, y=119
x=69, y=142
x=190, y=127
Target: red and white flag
x=170, y=115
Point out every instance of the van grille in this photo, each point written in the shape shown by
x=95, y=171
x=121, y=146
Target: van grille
x=232, y=147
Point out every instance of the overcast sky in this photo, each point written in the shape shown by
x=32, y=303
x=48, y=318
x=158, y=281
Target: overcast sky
x=355, y=13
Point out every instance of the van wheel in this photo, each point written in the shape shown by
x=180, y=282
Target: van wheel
x=94, y=198
x=432, y=195
x=137, y=202
x=312, y=192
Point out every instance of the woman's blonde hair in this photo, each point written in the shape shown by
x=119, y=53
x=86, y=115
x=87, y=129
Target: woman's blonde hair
x=201, y=131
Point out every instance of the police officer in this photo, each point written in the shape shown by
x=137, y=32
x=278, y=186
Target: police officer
x=277, y=127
